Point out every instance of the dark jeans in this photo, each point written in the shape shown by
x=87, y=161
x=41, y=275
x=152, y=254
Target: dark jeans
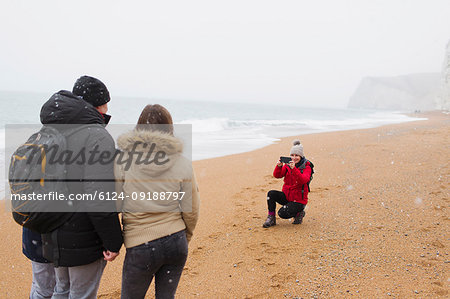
x=289, y=208
x=163, y=258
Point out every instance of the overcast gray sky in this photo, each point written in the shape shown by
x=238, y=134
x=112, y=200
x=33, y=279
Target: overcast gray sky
x=298, y=52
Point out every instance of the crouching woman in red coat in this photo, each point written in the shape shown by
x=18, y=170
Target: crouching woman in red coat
x=294, y=196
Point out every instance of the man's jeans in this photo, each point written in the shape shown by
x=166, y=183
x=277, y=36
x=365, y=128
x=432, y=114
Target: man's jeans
x=163, y=258
x=80, y=282
x=43, y=280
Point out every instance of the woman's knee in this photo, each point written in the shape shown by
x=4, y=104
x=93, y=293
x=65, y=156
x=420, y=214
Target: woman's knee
x=271, y=193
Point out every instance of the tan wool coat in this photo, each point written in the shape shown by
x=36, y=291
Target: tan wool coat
x=149, y=188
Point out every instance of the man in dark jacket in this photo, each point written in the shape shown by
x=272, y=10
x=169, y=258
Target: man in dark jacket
x=80, y=248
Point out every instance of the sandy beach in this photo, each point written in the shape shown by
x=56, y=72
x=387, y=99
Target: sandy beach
x=376, y=225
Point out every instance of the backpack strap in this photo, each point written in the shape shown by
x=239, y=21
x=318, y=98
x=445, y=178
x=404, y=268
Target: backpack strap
x=301, y=168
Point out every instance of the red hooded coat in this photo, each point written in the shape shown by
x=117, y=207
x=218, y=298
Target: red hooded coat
x=295, y=180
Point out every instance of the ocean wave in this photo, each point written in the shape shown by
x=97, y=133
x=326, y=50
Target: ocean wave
x=215, y=124
x=220, y=124
x=207, y=125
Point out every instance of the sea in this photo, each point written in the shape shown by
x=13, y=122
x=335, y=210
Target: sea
x=218, y=128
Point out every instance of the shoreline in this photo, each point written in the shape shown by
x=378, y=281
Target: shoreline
x=413, y=118
x=374, y=224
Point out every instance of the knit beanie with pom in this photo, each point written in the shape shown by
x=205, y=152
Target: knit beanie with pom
x=297, y=148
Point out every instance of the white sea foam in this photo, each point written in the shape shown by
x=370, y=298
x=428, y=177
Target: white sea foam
x=306, y=124
x=219, y=136
x=208, y=124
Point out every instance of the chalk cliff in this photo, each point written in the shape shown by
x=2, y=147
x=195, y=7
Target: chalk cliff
x=443, y=97
x=408, y=92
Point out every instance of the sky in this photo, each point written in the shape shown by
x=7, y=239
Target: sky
x=306, y=53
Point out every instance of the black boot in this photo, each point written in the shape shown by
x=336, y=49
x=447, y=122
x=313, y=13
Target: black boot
x=298, y=219
x=270, y=221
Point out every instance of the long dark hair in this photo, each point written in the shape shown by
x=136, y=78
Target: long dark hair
x=153, y=117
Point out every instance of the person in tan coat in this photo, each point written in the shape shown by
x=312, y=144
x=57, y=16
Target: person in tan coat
x=160, y=204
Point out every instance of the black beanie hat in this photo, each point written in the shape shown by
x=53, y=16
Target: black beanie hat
x=91, y=90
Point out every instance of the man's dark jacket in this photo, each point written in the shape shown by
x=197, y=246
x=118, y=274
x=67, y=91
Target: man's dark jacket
x=84, y=237
x=32, y=245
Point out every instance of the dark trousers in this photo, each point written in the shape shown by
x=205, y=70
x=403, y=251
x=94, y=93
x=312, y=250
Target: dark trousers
x=163, y=258
x=289, y=208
